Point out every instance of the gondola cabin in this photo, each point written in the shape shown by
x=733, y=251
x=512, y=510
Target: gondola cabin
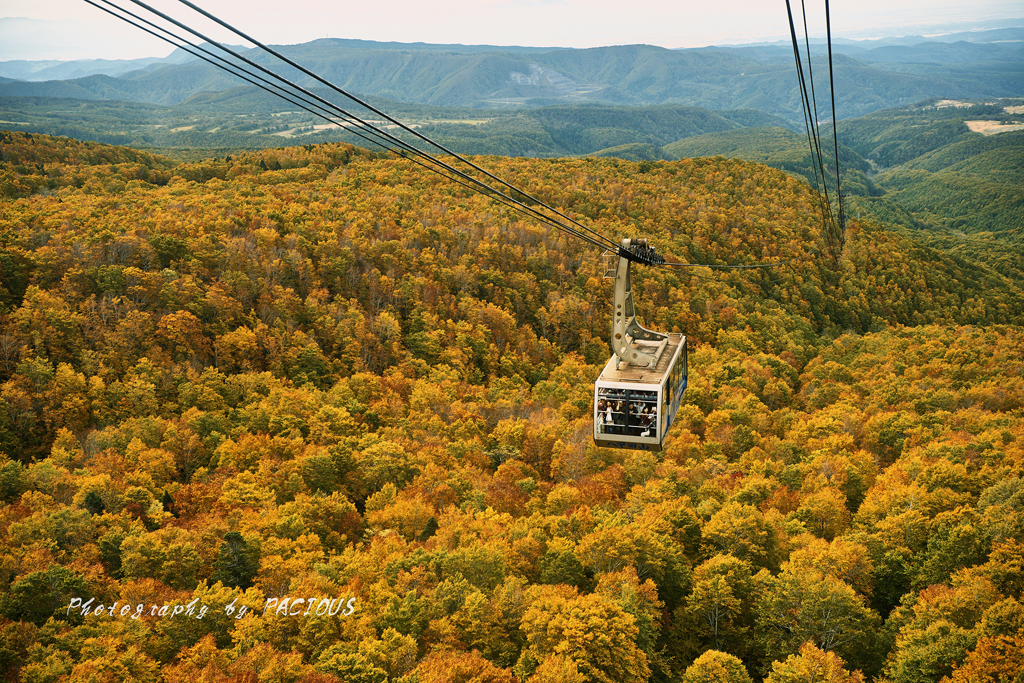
x=635, y=406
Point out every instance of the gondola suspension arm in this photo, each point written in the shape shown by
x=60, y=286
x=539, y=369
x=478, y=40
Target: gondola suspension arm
x=626, y=331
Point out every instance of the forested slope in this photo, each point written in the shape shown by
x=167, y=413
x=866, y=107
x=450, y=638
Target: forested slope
x=973, y=185
x=315, y=373
x=953, y=189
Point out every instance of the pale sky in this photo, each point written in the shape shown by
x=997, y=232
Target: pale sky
x=72, y=29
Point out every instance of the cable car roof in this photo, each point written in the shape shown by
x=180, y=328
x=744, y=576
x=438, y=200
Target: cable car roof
x=629, y=373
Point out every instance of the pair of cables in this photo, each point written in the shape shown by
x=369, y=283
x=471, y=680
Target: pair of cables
x=177, y=33
x=235, y=63
x=835, y=234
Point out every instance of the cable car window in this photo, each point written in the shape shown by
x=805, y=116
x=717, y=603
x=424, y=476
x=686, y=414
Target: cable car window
x=627, y=412
x=611, y=415
x=643, y=408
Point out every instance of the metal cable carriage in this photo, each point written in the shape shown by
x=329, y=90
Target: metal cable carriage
x=637, y=395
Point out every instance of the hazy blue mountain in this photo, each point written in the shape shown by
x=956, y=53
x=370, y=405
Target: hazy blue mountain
x=942, y=53
x=427, y=47
x=994, y=35
x=89, y=88
x=51, y=70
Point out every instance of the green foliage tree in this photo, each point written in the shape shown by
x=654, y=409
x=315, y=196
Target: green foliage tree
x=237, y=563
x=43, y=595
x=801, y=605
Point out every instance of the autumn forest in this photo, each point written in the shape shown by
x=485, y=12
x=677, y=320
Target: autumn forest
x=345, y=405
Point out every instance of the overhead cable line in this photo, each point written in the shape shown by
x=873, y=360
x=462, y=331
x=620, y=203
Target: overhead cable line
x=834, y=235
x=329, y=111
x=813, y=113
x=504, y=197
x=810, y=122
x=835, y=130
x=395, y=121
x=273, y=89
x=713, y=265
x=326, y=106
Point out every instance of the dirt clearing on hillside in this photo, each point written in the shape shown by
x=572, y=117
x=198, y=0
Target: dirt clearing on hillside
x=993, y=127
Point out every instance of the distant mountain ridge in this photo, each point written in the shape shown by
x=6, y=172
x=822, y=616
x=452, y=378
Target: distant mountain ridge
x=54, y=70
x=636, y=75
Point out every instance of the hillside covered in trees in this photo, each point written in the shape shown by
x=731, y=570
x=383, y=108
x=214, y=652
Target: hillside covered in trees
x=318, y=374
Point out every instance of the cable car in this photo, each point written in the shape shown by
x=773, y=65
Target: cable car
x=639, y=391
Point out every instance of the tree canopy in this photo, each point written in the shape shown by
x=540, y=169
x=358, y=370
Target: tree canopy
x=317, y=374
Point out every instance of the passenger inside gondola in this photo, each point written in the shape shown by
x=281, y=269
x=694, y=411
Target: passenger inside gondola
x=619, y=417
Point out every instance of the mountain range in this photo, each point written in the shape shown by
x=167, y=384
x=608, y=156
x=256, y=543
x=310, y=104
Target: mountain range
x=868, y=77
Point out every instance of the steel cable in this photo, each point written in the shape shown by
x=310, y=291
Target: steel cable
x=279, y=91
x=329, y=111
